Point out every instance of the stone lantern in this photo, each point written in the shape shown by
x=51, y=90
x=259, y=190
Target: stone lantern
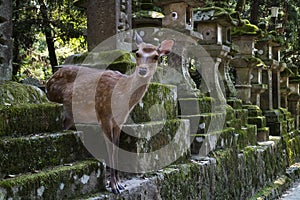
x=245, y=63
x=248, y=70
x=294, y=95
x=285, y=92
x=178, y=17
x=214, y=24
x=271, y=100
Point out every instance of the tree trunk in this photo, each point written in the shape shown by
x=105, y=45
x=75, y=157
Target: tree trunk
x=255, y=12
x=240, y=6
x=47, y=31
x=16, y=45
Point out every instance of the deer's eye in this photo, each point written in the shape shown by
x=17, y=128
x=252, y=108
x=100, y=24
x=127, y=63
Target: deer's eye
x=137, y=55
x=156, y=57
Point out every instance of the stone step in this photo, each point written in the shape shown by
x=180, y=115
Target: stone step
x=247, y=136
x=194, y=106
x=206, y=122
x=226, y=138
x=204, y=143
x=36, y=152
x=159, y=103
x=63, y=182
x=259, y=121
x=25, y=119
x=24, y=110
x=165, y=141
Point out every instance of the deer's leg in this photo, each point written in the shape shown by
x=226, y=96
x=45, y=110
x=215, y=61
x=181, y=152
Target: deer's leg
x=116, y=141
x=68, y=116
x=110, y=145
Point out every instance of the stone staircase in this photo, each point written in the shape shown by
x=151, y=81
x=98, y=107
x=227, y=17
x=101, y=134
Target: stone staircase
x=38, y=160
x=42, y=161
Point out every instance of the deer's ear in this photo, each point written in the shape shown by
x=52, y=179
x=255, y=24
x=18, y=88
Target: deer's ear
x=166, y=47
x=138, y=39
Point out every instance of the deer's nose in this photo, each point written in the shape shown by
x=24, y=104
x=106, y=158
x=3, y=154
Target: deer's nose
x=143, y=71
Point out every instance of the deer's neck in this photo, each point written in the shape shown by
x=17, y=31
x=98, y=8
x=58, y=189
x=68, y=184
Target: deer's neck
x=138, y=88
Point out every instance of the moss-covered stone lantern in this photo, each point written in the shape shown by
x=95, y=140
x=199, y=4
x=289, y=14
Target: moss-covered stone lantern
x=246, y=65
x=214, y=24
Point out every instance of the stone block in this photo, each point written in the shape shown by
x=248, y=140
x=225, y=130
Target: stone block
x=25, y=119
x=65, y=182
x=263, y=134
x=194, y=106
x=159, y=103
x=275, y=128
x=259, y=121
x=37, y=152
x=216, y=140
x=235, y=103
x=206, y=122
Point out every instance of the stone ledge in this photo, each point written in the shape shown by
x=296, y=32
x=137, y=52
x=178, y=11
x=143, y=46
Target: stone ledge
x=25, y=154
x=24, y=119
x=226, y=174
x=159, y=103
x=59, y=183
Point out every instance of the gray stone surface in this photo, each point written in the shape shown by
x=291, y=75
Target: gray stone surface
x=5, y=40
x=106, y=18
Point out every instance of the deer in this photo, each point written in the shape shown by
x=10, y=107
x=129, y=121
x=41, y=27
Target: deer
x=116, y=95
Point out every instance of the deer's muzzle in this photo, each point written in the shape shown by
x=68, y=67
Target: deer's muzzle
x=143, y=71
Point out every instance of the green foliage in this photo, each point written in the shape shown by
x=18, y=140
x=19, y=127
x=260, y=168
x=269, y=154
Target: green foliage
x=67, y=24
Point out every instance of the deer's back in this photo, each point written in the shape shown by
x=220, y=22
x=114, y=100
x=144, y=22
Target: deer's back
x=86, y=88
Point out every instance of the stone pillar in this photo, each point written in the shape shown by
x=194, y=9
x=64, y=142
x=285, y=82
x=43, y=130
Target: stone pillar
x=107, y=18
x=244, y=62
x=293, y=100
x=266, y=102
x=210, y=70
x=226, y=79
x=5, y=40
x=270, y=100
x=284, y=87
x=257, y=85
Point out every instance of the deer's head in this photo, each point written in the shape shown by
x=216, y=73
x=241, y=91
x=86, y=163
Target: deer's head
x=147, y=56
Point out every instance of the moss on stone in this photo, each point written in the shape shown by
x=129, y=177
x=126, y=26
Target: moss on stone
x=148, y=14
x=29, y=118
x=25, y=154
x=293, y=149
x=213, y=14
x=235, y=103
x=118, y=60
x=150, y=136
x=253, y=110
x=159, y=103
x=193, y=106
x=59, y=183
x=13, y=93
x=259, y=121
x=246, y=28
